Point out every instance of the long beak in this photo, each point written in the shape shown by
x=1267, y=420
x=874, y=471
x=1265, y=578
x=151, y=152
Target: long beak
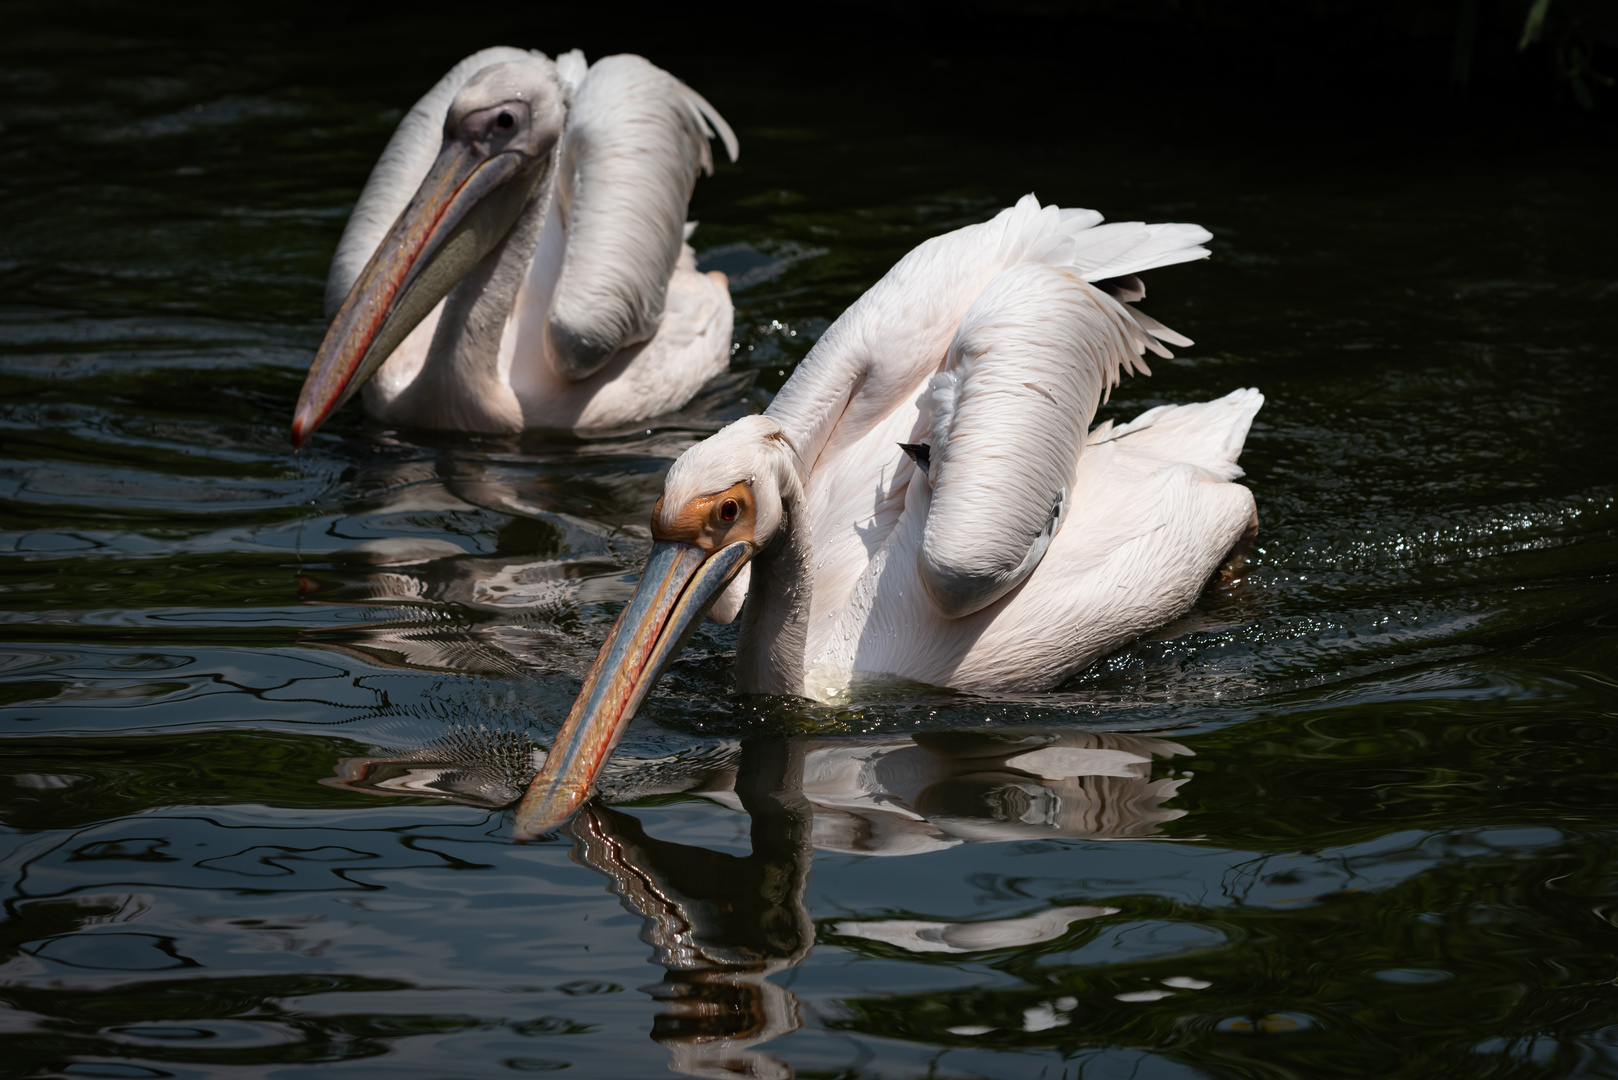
x=460, y=212
x=680, y=583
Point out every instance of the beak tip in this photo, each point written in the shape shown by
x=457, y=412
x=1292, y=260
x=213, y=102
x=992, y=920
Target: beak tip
x=304, y=423
x=544, y=822
x=679, y=584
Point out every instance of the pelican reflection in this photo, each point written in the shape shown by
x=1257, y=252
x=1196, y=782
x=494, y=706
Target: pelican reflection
x=571, y=527
x=722, y=924
x=866, y=796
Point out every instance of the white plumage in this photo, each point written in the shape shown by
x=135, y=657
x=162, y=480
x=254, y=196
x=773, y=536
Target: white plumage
x=1031, y=549
x=590, y=311
x=636, y=139
x=1007, y=552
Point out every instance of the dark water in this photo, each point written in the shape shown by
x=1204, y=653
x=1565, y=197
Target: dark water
x=1354, y=816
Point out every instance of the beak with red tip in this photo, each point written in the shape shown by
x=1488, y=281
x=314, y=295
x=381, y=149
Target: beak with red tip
x=483, y=177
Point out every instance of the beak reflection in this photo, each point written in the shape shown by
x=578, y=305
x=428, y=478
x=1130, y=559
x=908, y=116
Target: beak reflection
x=681, y=582
x=872, y=796
x=722, y=924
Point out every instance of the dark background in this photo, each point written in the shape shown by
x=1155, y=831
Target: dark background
x=1293, y=71
x=1279, y=89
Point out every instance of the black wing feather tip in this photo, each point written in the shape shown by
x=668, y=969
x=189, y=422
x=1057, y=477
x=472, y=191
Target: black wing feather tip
x=920, y=453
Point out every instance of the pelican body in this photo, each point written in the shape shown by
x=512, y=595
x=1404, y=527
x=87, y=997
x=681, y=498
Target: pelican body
x=925, y=500
x=518, y=257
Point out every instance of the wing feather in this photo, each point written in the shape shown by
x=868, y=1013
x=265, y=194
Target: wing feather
x=893, y=338
x=1025, y=373
x=636, y=139
x=864, y=385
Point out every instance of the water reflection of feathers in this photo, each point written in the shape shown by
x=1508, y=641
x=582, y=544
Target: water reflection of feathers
x=500, y=613
x=454, y=613
x=865, y=796
x=721, y=924
x=470, y=614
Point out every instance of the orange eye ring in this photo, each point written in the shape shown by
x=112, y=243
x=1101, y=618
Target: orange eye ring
x=728, y=511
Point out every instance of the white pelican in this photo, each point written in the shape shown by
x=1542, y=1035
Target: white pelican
x=923, y=500
x=518, y=256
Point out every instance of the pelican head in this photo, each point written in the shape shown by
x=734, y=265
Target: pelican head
x=499, y=145
x=723, y=502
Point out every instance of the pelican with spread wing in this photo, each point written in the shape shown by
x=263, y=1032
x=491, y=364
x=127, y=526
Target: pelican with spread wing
x=925, y=500
x=518, y=258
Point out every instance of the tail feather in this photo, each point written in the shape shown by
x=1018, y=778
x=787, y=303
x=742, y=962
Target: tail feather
x=1208, y=434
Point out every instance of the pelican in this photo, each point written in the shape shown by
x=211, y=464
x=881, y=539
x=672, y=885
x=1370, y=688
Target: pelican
x=518, y=258
x=924, y=500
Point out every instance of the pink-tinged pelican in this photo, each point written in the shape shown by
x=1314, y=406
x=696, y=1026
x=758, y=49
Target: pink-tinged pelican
x=518, y=256
x=924, y=499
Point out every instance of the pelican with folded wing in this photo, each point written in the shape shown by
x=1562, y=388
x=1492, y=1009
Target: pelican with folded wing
x=925, y=499
x=518, y=258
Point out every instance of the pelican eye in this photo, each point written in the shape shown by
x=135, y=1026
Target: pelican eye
x=504, y=121
x=728, y=511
